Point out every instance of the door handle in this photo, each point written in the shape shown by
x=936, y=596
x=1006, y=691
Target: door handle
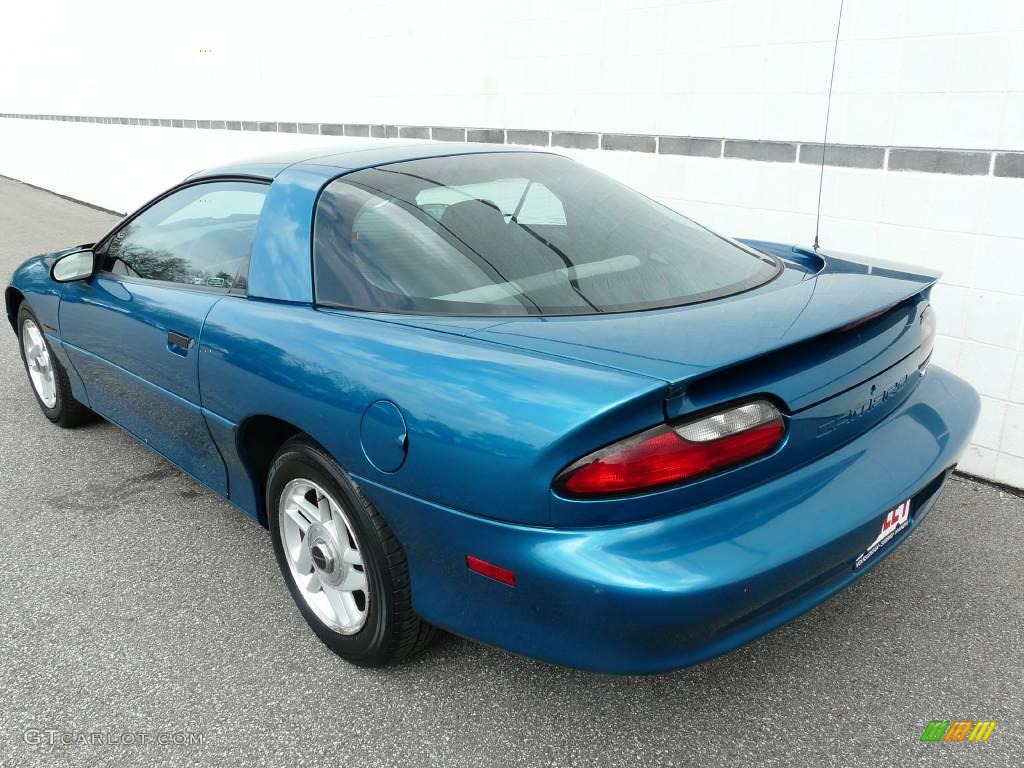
x=178, y=341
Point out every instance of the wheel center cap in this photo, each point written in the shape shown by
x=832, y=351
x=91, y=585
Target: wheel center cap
x=323, y=557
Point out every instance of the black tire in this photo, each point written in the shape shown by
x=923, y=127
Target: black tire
x=392, y=632
x=66, y=411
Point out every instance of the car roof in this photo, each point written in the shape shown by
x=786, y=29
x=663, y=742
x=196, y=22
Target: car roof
x=333, y=160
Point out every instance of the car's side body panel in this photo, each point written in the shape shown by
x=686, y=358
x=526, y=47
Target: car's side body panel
x=117, y=334
x=488, y=428
x=32, y=281
x=127, y=323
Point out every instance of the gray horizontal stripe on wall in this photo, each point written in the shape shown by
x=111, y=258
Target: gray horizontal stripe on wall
x=846, y=155
x=628, y=142
x=571, y=140
x=448, y=134
x=1007, y=164
x=1010, y=164
x=940, y=161
x=532, y=138
x=413, y=132
x=488, y=135
x=688, y=145
x=349, y=129
x=767, y=151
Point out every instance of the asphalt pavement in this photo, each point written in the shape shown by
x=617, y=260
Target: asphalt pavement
x=135, y=609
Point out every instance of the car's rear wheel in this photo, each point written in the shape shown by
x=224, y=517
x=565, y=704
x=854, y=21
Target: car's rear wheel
x=343, y=565
x=47, y=376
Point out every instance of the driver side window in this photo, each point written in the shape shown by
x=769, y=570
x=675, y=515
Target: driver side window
x=197, y=236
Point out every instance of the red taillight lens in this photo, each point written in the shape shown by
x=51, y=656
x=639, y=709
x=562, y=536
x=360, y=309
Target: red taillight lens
x=667, y=455
x=928, y=329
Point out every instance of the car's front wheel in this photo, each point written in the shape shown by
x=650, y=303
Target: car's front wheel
x=342, y=563
x=49, y=380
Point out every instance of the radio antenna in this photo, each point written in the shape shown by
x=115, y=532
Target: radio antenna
x=824, y=141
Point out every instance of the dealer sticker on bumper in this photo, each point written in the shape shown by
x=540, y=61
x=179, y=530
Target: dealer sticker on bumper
x=895, y=521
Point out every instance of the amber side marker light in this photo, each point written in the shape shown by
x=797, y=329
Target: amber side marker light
x=672, y=453
x=490, y=570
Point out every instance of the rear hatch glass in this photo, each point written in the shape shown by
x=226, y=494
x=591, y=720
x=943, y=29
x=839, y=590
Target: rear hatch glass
x=514, y=234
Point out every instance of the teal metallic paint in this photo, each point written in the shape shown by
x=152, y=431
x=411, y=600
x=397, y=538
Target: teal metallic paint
x=493, y=409
x=32, y=279
x=504, y=421
x=116, y=334
x=281, y=266
x=384, y=436
x=685, y=587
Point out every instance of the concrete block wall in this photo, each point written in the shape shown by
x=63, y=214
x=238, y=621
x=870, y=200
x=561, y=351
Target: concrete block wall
x=715, y=107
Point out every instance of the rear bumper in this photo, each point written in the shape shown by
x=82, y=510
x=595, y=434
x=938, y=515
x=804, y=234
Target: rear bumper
x=677, y=590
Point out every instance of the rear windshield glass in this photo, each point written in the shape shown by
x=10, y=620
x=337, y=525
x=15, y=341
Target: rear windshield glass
x=514, y=234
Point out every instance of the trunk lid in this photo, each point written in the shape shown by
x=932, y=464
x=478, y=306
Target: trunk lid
x=833, y=340
x=792, y=337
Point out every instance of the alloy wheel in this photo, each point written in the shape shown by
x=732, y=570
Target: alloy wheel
x=324, y=556
x=40, y=367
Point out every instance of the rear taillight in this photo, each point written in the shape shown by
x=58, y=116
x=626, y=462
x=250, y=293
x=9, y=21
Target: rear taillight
x=928, y=328
x=671, y=454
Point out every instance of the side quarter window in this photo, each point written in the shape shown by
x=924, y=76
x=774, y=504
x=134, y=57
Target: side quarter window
x=199, y=236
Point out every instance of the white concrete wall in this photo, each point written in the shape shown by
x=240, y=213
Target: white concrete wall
x=909, y=73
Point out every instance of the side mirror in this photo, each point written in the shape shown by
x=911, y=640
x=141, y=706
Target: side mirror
x=73, y=266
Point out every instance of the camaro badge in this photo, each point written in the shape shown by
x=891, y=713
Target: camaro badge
x=876, y=397
x=895, y=521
